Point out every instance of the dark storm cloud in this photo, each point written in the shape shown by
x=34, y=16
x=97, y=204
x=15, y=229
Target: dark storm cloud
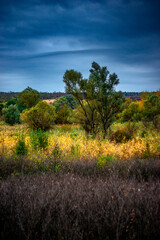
x=39, y=39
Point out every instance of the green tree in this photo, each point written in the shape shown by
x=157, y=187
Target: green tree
x=67, y=100
x=28, y=97
x=132, y=112
x=41, y=116
x=99, y=94
x=11, y=101
x=152, y=106
x=11, y=114
x=89, y=119
x=81, y=90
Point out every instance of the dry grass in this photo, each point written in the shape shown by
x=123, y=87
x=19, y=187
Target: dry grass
x=49, y=101
x=74, y=207
x=74, y=144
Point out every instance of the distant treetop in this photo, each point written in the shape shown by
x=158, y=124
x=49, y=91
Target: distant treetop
x=29, y=97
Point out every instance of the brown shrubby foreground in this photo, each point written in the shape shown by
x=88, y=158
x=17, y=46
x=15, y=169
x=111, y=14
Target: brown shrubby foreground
x=81, y=201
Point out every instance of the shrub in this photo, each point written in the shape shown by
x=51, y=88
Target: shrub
x=143, y=133
x=41, y=116
x=132, y=112
x=21, y=148
x=103, y=160
x=39, y=139
x=120, y=136
x=63, y=114
x=124, y=134
x=11, y=114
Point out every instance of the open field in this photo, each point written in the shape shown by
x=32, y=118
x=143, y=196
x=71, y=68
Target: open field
x=49, y=101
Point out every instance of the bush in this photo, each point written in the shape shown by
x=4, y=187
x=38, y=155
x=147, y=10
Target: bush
x=63, y=115
x=21, y=148
x=120, y=136
x=41, y=116
x=11, y=114
x=104, y=160
x=39, y=139
x=132, y=112
x=124, y=134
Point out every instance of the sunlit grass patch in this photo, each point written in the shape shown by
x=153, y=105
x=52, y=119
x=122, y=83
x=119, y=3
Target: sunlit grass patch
x=73, y=143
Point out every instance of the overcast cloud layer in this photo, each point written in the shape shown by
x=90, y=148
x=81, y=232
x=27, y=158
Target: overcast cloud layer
x=41, y=39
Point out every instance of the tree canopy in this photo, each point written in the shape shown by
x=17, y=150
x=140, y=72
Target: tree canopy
x=28, y=97
x=41, y=116
x=98, y=100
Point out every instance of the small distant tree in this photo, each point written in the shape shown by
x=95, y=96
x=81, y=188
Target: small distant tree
x=99, y=94
x=41, y=116
x=65, y=100
x=11, y=114
x=152, y=106
x=28, y=97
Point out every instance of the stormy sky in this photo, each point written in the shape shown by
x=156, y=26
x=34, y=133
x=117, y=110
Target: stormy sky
x=41, y=39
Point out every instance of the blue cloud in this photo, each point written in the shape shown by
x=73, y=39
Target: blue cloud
x=40, y=39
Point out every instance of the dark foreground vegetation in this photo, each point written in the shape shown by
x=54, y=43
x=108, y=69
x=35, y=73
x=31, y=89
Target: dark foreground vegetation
x=81, y=201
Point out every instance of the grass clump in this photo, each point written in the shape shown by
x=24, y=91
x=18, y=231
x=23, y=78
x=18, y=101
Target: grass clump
x=104, y=160
x=57, y=152
x=21, y=147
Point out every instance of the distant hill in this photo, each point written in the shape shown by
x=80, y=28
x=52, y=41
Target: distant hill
x=133, y=95
x=5, y=96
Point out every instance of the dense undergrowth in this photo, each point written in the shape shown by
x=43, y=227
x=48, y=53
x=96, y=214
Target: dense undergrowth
x=72, y=206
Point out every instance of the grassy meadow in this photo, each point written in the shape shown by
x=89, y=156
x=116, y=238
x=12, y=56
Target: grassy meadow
x=72, y=144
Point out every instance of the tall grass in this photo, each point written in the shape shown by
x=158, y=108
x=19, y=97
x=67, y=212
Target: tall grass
x=73, y=142
x=69, y=206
